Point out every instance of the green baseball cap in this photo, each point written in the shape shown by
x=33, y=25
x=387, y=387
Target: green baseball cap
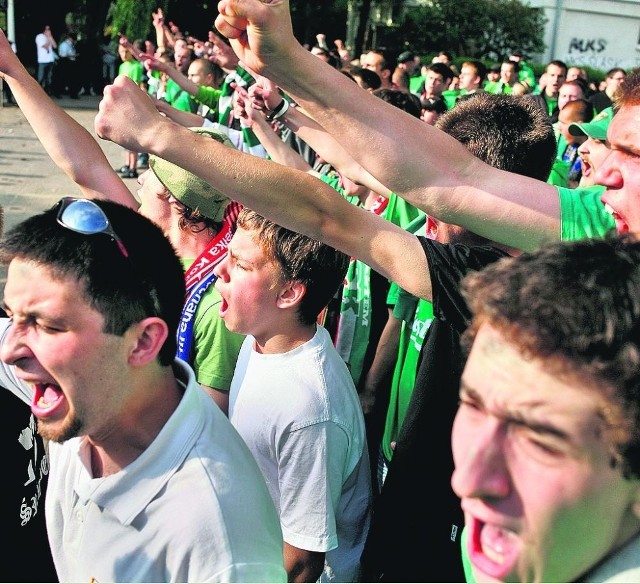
x=596, y=128
x=190, y=189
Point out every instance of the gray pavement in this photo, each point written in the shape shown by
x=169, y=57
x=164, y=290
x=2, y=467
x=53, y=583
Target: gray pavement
x=29, y=181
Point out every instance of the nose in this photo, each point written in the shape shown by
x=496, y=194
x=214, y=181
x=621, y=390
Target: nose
x=221, y=270
x=608, y=173
x=13, y=348
x=481, y=470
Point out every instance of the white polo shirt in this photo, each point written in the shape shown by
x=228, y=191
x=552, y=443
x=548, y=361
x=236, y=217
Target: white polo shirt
x=192, y=508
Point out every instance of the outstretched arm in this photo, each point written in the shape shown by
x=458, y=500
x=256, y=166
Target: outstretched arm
x=277, y=150
x=423, y=165
x=71, y=147
x=152, y=63
x=289, y=197
x=265, y=95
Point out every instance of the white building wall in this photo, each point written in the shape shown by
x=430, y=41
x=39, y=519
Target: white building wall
x=599, y=33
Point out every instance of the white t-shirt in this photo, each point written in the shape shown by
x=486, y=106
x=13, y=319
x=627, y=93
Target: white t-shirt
x=45, y=55
x=300, y=415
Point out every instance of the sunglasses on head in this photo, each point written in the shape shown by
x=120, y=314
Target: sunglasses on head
x=86, y=217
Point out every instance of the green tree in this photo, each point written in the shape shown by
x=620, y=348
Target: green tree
x=473, y=28
x=132, y=18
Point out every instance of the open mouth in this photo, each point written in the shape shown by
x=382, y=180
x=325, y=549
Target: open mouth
x=494, y=550
x=224, y=306
x=46, y=399
x=621, y=224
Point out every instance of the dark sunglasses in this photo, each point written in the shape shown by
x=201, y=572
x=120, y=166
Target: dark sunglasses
x=86, y=217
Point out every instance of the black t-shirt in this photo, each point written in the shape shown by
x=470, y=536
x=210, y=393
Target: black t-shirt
x=26, y=474
x=600, y=101
x=23, y=490
x=417, y=521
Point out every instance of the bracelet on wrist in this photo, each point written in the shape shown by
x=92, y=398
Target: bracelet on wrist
x=278, y=111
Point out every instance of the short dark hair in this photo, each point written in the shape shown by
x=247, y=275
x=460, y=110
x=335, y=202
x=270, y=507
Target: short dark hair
x=370, y=79
x=125, y=290
x=388, y=60
x=505, y=131
x=319, y=267
x=612, y=72
x=433, y=104
x=403, y=100
x=441, y=69
x=558, y=63
x=575, y=306
x=516, y=65
x=581, y=108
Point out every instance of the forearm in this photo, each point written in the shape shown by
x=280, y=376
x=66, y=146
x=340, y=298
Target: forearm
x=182, y=80
x=302, y=565
x=186, y=119
x=331, y=150
x=278, y=151
x=420, y=163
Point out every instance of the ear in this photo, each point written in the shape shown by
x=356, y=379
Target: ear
x=147, y=338
x=291, y=294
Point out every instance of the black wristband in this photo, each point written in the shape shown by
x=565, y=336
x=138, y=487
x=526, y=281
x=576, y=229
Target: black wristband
x=278, y=111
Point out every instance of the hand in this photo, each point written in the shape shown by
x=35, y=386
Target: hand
x=264, y=93
x=158, y=18
x=260, y=32
x=127, y=116
x=322, y=40
x=222, y=54
x=152, y=63
x=242, y=106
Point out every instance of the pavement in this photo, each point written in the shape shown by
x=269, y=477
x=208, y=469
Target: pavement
x=29, y=181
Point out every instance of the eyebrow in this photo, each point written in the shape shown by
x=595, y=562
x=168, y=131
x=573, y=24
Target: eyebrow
x=516, y=417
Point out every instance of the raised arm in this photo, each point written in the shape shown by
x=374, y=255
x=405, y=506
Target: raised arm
x=422, y=164
x=289, y=197
x=71, y=147
x=152, y=63
x=265, y=94
x=277, y=150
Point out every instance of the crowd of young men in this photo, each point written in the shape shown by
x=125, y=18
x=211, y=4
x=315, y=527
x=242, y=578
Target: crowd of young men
x=544, y=444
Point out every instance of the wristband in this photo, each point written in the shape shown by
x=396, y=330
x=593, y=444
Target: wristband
x=278, y=111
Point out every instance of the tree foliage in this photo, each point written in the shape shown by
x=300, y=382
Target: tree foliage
x=488, y=29
x=132, y=18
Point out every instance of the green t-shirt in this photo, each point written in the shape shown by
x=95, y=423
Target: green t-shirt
x=215, y=348
x=208, y=96
x=450, y=97
x=417, y=315
x=416, y=83
x=133, y=70
x=582, y=213
x=179, y=98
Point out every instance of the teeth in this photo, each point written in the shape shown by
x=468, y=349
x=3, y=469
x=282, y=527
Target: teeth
x=43, y=403
x=495, y=555
x=609, y=209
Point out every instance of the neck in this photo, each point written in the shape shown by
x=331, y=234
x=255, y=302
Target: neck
x=187, y=243
x=139, y=422
x=284, y=340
